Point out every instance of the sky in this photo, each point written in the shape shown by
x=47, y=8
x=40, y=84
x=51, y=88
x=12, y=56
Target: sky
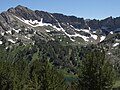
x=88, y=9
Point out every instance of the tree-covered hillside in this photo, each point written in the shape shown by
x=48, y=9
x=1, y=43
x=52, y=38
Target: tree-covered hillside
x=55, y=66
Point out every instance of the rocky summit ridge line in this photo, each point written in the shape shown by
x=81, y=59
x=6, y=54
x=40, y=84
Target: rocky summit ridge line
x=21, y=25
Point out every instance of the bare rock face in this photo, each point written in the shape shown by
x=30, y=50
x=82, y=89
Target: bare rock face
x=63, y=20
x=72, y=20
x=23, y=12
x=107, y=22
x=94, y=24
x=21, y=24
x=117, y=22
x=52, y=18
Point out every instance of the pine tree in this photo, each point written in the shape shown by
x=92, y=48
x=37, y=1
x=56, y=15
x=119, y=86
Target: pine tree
x=5, y=78
x=19, y=75
x=96, y=73
x=44, y=77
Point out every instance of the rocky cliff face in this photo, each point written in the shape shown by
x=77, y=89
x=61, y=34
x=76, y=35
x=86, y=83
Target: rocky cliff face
x=21, y=25
x=53, y=18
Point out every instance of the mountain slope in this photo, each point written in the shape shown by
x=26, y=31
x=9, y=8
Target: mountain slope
x=21, y=25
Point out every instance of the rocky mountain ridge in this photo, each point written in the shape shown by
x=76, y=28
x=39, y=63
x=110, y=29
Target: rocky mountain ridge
x=21, y=25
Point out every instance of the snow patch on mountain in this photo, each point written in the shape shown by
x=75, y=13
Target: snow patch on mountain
x=9, y=32
x=1, y=42
x=17, y=31
x=77, y=35
x=27, y=37
x=2, y=33
x=94, y=36
x=111, y=32
x=116, y=44
x=87, y=31
x=109, y=53
x=10, y=40
x=117, y=40
x=102, y=38
x=57, y=22
x=94, y=31
x=16, y=38
x=47, y=30
x=36, y=23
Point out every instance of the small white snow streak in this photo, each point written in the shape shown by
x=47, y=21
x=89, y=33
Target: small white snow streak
x=94, y=31
x=36, y=23
x=72, y=39
x=34, y=32
x=27, y=37
x=57, y=22
x=84, y=30
x=109, y=53
x=89, y=28
x=76, y=35
x=9, y=32
x=1, y=42
x=94, y=36
x=47, y=30
x=11, y=40
x=102, y=38
x=116, y=44
x=118, y=40
x=17, y=38
x=2, y=33
x=111, y=32
x=7, y=47
x=73, y=27
x=87, y=31
x=17, y=31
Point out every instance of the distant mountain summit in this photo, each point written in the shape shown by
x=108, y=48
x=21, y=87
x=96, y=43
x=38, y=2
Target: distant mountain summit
x=21, y=25
x=80, y=23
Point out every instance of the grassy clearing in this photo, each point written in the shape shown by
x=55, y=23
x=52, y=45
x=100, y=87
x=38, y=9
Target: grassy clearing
x=117, y=84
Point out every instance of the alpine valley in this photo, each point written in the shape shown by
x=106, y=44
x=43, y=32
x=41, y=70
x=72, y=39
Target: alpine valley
x=62, y=40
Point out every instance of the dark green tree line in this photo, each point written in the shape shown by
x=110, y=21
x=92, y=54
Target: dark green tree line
x=96, y=73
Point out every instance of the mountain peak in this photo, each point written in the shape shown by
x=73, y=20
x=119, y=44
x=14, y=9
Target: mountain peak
x=22, y=12
x=53, y=24
x=20, y=6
